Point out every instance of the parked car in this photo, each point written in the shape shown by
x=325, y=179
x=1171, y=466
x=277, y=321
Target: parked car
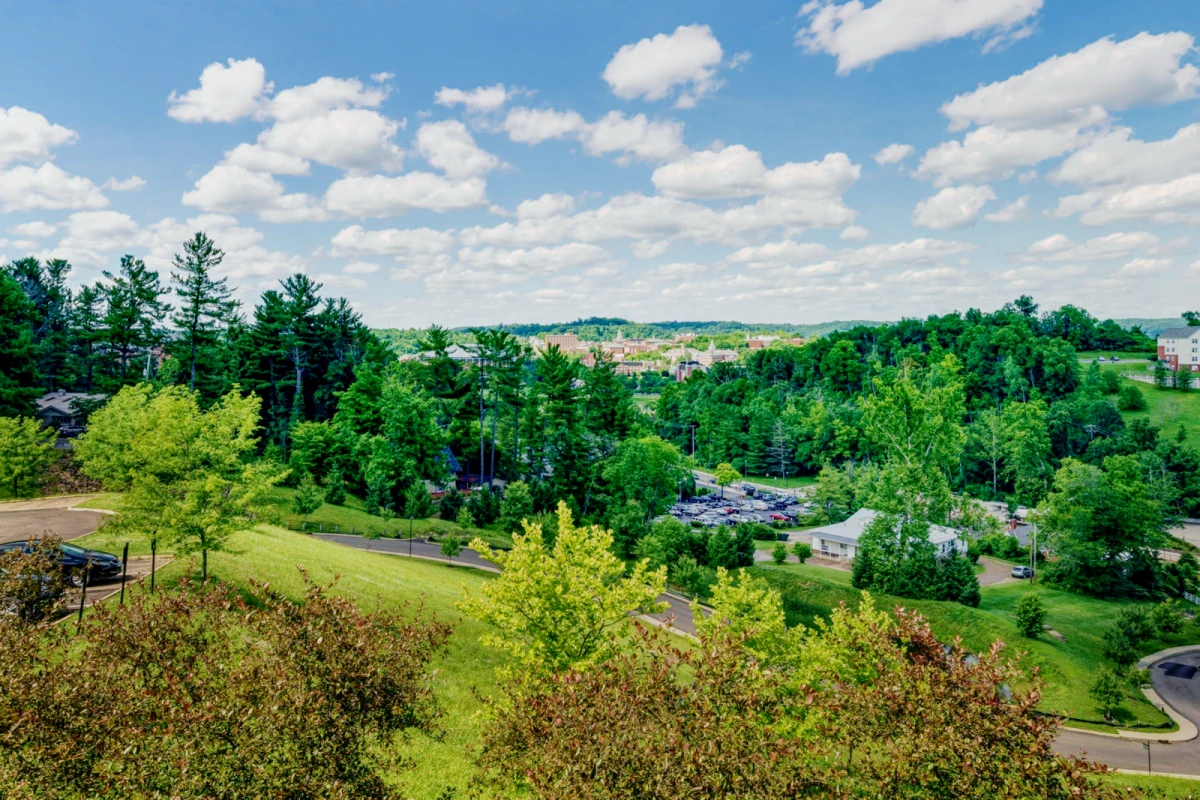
x=778, y=517
x=1114, y=359
x=26, y=607
x=74, y=560
x=1022, y=572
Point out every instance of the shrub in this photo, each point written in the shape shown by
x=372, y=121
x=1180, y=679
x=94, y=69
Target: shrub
x=516, y=506
x=30, y=583
x=1110, y=382
x=1167, y=618
x=335, y=488
x=758, y=531
x=464, y=519
x=692, y=578
x=802, y=551
x=1031, y=615
x=308, y=498
x=450, y=504
x=1130, y=398
x=484, y=505
x=779, y=553
x=202, y=693
x=1108, y=690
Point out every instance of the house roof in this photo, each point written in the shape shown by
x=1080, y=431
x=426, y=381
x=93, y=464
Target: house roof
x=63, y=402
x=852, y=529
x=1179, y=333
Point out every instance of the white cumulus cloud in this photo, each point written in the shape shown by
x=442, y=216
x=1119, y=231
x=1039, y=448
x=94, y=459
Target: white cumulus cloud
x=225, y=94
x=449, y=147
x=893, y=154
x=654, y=68
x=28, y=136
x=952, y=207
x=479, y=100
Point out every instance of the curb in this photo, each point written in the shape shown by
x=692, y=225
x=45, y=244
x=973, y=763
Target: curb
x=1159, y=774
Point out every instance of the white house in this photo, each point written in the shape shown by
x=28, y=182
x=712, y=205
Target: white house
x=1180, y=348
x=840, y=540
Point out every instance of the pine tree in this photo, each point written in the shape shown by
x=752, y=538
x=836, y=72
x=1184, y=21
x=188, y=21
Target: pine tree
x=335, y=487
x=134, y=313
x=779, y=450
x=205, y=303
x=1162, y=376
x=19, y=376
x=308, y=497
x=87, y=330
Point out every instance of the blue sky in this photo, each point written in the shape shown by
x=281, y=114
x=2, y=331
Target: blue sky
x=472, y=163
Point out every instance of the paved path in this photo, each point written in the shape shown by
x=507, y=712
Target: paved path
x=994, y=572
x=1179, y=758
x=26, y=518
x=679, y=613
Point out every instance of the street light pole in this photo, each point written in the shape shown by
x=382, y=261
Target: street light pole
x=1033, y=557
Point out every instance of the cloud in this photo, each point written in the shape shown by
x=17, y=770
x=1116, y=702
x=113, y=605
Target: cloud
x=1115, y=245
x=47, y=187
x=449, y=147
x=893, y=154
x=1140, y=267
x=951, y=208
x=384, y=196
x=324, y=95
x=854, y=233
x=479, y=100
x=28, y=136
x=654, y=68
x=736, y=171
x=100, y=231
x=256, y=158
x=332, y=280
x=33, y=230
x=347, y=138
x=859, y=35
x=994, y=152
x=785, y=253
x=546, y=206
x=231, y=189
x=535, y=260
x=1118, y=158
x=407, y=244
x=225, y=94
x=1146, y=69
x=635, y=137
x=130, y=184
x=360, y=268
x=1170, y=202
x=1016, y=211
x=647, y=249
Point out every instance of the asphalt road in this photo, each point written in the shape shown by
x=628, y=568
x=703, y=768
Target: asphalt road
x=16, y=525
x=1181, y=758
x=678, y=611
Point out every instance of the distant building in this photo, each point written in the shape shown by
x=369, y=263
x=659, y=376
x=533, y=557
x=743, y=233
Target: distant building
x=684, y=370
x=714, y=356
x=462, y=353
x=1179, y=348
x=63, y=409
x=840, y=540
x=632, y=367
x=567, y=342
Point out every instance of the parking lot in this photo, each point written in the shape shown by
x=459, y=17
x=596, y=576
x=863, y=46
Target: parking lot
x=740, y=505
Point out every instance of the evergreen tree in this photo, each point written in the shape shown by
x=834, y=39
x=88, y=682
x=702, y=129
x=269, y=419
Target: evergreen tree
x=779, y=449
x=1030, y=615
x=205, y=303
x=133, y=315
x=87, y=331
x=450, y=504
x=335, y=487
x=19, y=376
x=45, y=287
x=1162, y=375
x=516, y=506
x=308, y=497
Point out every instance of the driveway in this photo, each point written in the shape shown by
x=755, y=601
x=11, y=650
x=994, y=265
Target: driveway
x=1180, y=758
x=994, y=572
x=26, y=518
x=678, y=612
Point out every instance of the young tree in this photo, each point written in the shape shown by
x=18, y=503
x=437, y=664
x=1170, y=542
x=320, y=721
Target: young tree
x=779, y=553
x=26, y=452
x=335, y=487
x=725, y=474
x=205, y=302
x=1162, y=375
x=308, y=497
x=1108, y=690
x=451, y=546
x=1030, y=615
x=417, y=503
x=555, y=609
x=1130, y=398
x=464, y=519
x=516, y=507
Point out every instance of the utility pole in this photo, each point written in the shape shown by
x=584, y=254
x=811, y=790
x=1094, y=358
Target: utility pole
x=1033, y=557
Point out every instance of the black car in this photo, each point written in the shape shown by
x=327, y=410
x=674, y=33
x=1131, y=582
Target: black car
x=74, y=560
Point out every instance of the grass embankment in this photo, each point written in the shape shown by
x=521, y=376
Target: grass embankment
x=791, y=482
x=1168, y=408
x=271, y=555
x=1066, y=667
x=1159, y=787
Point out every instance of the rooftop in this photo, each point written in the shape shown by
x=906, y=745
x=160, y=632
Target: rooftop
x=851, y=529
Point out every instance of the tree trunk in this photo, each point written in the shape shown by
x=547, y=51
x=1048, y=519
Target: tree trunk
x=192, y=381
x=204, y=565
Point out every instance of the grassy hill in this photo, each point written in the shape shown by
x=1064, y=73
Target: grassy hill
x=1168, y=408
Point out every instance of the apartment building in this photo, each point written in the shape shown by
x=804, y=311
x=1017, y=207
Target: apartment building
x=1179, y=348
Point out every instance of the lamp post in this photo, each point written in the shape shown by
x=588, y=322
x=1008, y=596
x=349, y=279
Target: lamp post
x=1033, y=557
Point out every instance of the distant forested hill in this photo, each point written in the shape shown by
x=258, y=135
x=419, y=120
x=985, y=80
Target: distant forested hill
x=1150, y=327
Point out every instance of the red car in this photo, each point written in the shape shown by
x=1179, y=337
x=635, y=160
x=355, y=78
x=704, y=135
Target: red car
x=778, y=517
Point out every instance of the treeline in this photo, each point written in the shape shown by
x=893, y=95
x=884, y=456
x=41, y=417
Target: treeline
x=295, y=349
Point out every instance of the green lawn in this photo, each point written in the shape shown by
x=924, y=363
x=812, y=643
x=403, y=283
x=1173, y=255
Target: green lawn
x=1161, y=786
x=271, y=554
x=1170, y=408
x=1124, y=355
x=1066, y=667
x=792, y=482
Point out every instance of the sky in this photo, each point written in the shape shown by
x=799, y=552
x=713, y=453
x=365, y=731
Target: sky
x=472, y=163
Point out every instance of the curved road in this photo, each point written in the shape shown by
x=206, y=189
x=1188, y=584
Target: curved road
x=1180, y=758
x=21, y=520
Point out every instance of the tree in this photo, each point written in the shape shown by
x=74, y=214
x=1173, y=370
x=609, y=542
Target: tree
x=464, y=519
x=308, y=497
x=451, y=545
x=451, y=503
x=1162, y=375
x=204, y=302
x=957, y=581
x=725, y=474
x=1191, y=318
x=1030, y=615
x=1167, y=618
x=1130, y=398
x=335, y=487
x=417, y=504
x=834, y=494
x=26, y=452
x=516, y=506
x=985, y=438
x=556, y=609
x=1108, y=690
x=628, y=524
x=648, y=470
x=134, y=313
x=19, y=373
x=779, y=449
x=779, y=553
x=1027, y=449
x=803, y=551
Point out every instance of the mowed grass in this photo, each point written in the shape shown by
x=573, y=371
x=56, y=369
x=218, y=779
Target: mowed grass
x=792, y=482
x=1066, y=668
x=271, y=555
x=1158, y=786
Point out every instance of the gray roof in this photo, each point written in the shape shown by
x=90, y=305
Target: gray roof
x=63, y=402
x=850, y=530
x=1178, y=333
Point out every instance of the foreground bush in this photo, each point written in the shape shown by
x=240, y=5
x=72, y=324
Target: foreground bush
x=865, y=706
x=201, y=694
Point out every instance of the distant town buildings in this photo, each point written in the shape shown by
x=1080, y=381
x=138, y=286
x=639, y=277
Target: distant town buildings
x=1179, y=348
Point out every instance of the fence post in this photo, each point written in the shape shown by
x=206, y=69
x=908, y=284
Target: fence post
x=153, y=553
